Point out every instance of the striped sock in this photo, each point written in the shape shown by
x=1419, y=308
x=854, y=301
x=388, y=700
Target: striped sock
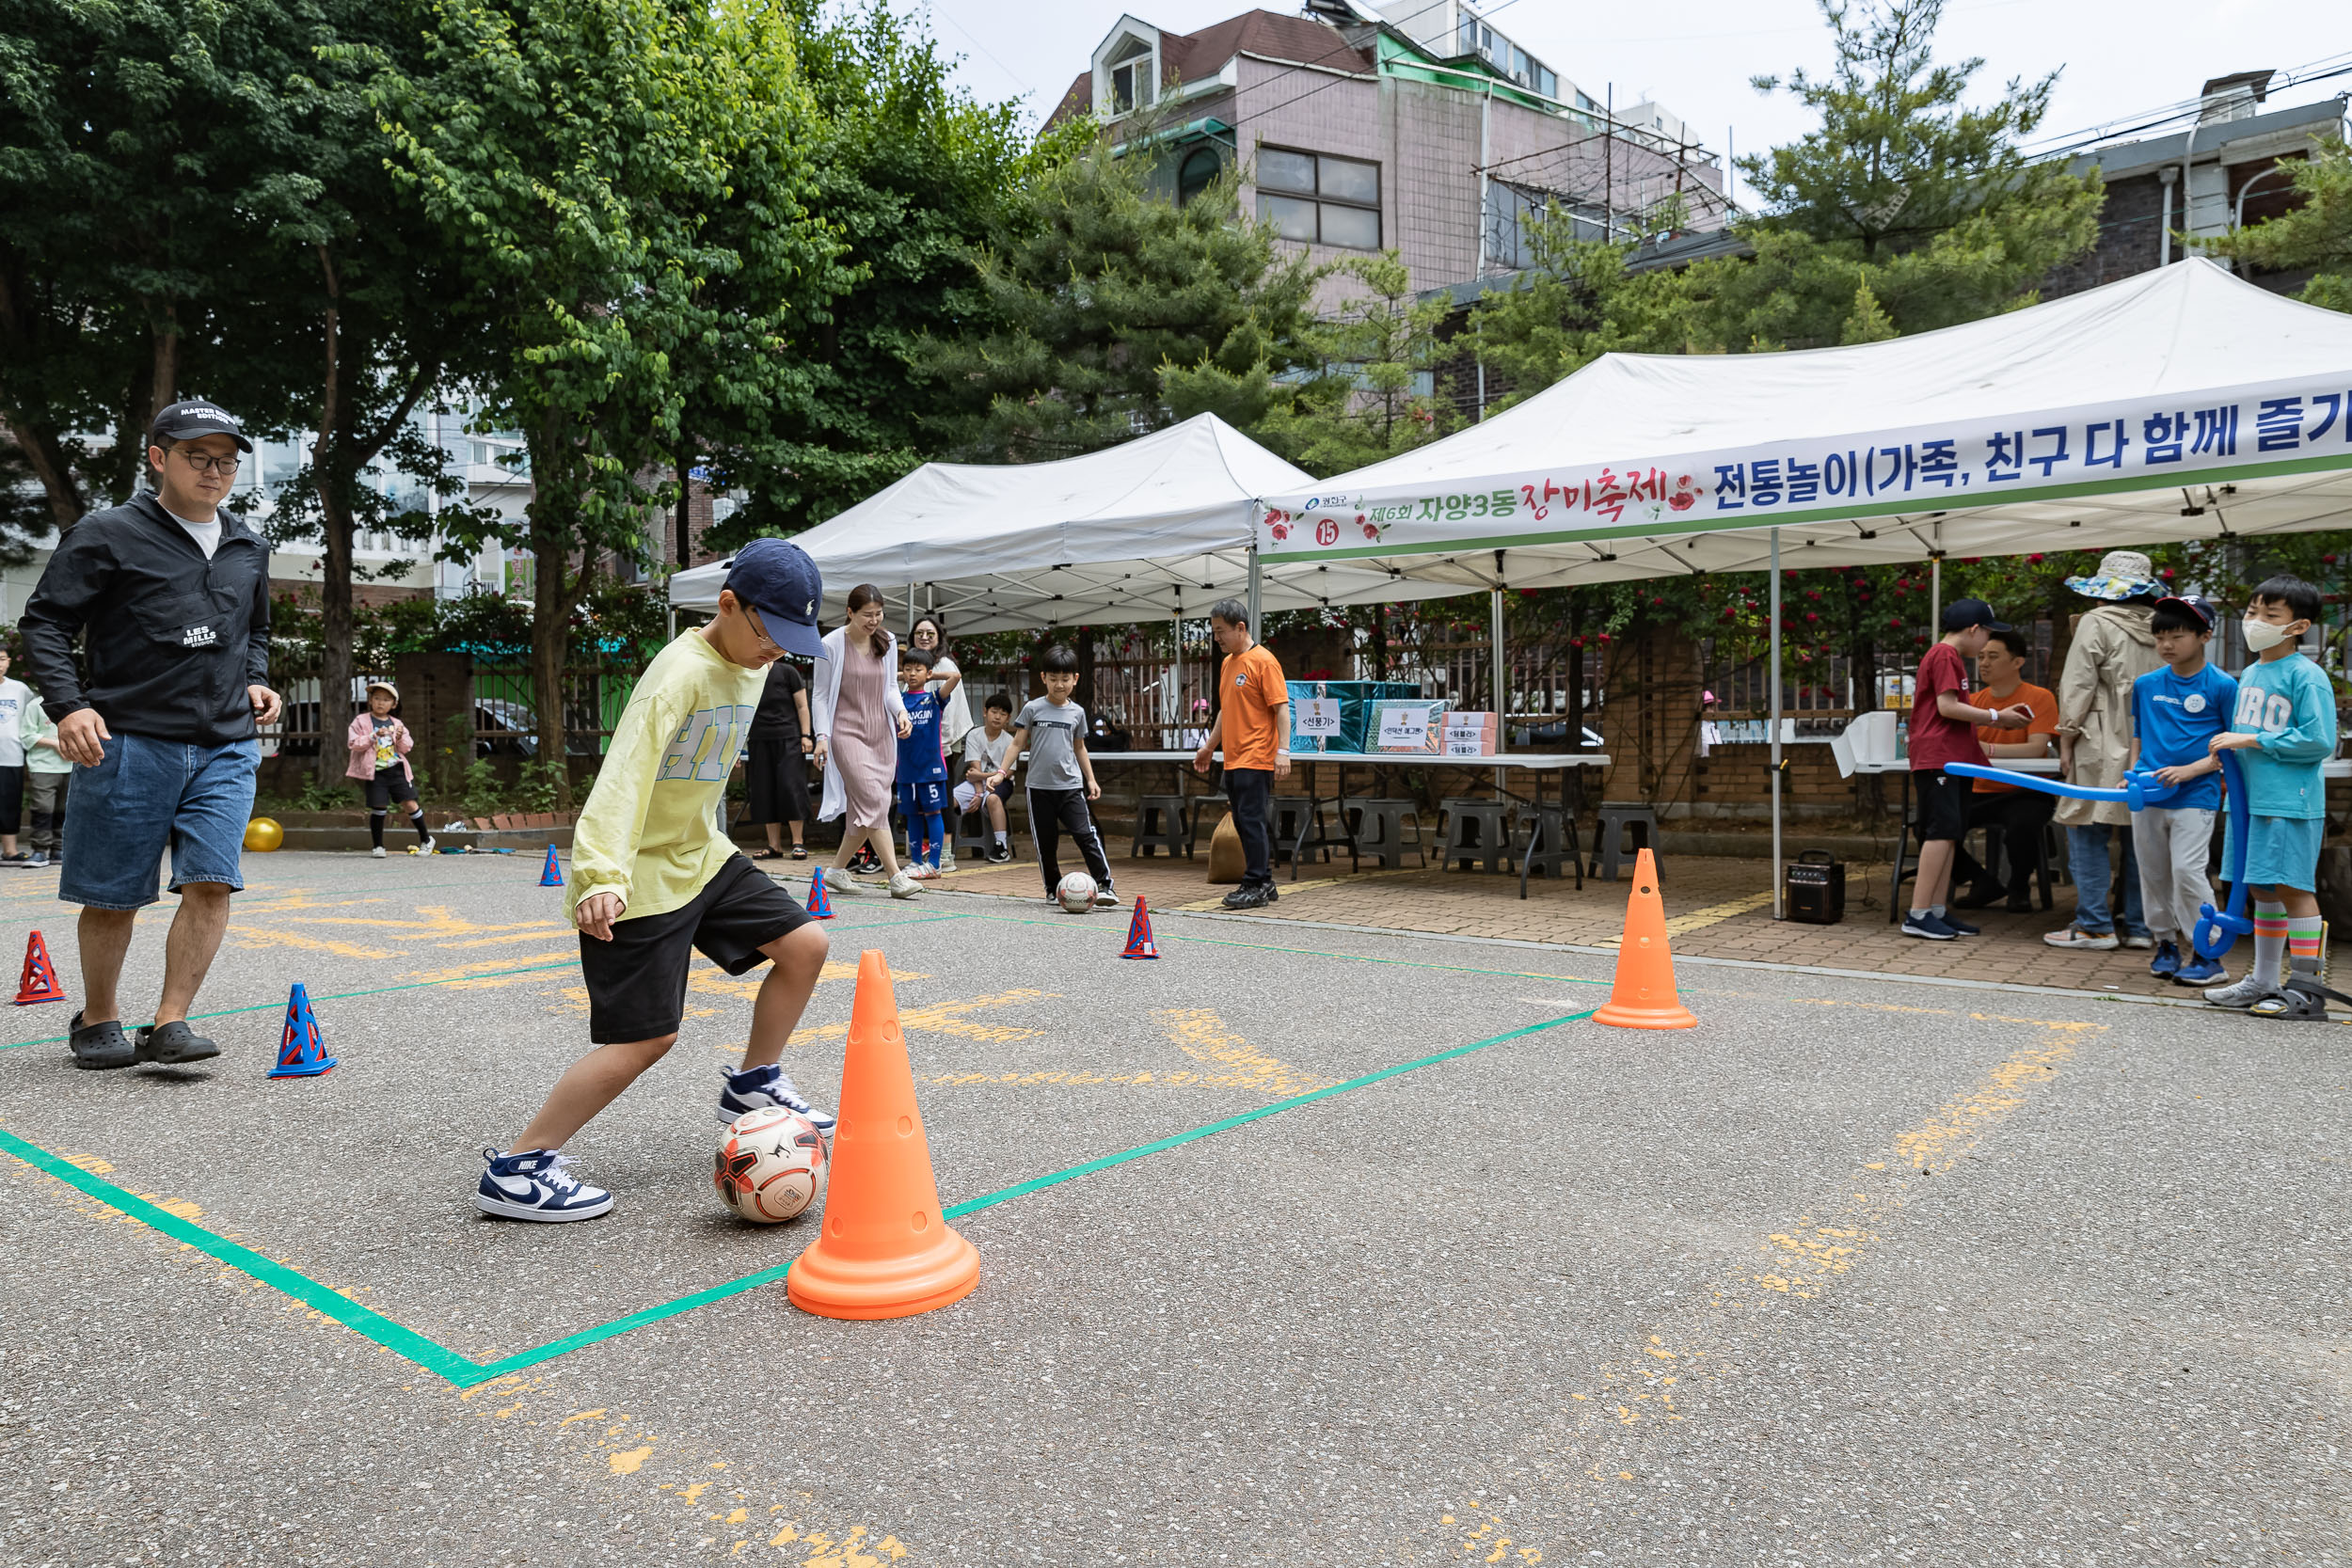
x=2303, y=942
x=2270, y=942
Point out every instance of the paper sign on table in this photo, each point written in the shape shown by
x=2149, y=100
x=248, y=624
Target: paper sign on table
x=1408, y=726
x=1316, y=717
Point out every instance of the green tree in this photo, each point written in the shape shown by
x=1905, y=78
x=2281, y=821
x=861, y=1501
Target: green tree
x=2317, y=234
x=574, y=153
x=148, y=153
x=910, y=175
x=1098, y=289
x=1369, y=386
x=1901, y=192
x=1580, y=299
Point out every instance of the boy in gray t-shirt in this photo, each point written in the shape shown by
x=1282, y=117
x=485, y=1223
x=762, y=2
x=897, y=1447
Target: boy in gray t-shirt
x=1053, y=730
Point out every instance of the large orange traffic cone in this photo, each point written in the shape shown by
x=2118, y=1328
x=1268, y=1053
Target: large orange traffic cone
x=884, y=1251
x=1644, y=996
x=40, y=976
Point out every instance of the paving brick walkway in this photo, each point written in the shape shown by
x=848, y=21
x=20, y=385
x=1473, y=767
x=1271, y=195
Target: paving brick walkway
x=1715, y=907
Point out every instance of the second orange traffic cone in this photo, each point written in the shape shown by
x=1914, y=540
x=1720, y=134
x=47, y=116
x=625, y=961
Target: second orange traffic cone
x=1644, y=995
x=884, y=1251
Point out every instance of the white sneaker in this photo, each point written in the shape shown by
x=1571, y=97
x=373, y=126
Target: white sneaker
x=535, y=1186
x=904, y=886
x=761, y=1089
x=377, y=851
x=841, y=882
x=946, y=863
x=2076, y=937
x=429, y=845
x=1106, y=899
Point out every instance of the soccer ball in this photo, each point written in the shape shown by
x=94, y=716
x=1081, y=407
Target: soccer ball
x=1077, y=893
x=770, y=1164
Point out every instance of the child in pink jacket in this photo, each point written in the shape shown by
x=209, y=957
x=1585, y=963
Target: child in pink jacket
x=379, y=756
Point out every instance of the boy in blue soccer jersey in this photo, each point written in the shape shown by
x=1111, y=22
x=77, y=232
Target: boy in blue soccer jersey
x=2176, y=711
x=922, y=775
x=2284, y=726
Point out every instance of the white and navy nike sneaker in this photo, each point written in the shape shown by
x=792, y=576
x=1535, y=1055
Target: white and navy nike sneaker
x=535, y=1186
x=761, y=1089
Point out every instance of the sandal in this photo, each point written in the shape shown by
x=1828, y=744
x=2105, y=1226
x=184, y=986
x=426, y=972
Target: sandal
x=800, y=851
x=765, y=854
x=2301, y=1000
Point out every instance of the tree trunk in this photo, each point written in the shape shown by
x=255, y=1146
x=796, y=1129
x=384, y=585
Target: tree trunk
x=1084, y=695
x=50, y=465
x=685, y=513
x=165, y=380
x=1574, y=739
x=556, y=480
x=330, y=464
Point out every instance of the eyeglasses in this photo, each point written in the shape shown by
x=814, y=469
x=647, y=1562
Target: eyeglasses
x=205, y=465
x=752, y=617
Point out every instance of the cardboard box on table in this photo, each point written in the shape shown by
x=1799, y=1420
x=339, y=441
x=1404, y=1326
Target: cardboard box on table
x=1356, y=734
x=1472, y=735
x=1414, y=727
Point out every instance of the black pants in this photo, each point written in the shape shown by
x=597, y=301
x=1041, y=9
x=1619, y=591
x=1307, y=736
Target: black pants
x=1050, y=811
x=1251, y=792
x=2020, y=814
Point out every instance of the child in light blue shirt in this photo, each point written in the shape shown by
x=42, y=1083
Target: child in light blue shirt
x=2284, y=726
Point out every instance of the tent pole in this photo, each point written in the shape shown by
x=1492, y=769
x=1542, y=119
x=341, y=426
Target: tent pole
x=1257, y=626
x=1935, y=595
x=1779, y=912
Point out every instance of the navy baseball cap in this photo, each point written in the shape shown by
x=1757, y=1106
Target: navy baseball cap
x=777, y=579
x=2191, y=605
x=1963, y=613
x=185, y=421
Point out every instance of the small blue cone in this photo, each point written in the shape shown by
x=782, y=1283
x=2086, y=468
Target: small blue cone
x=302, y=1053
x=553, y=874
x=819, y=903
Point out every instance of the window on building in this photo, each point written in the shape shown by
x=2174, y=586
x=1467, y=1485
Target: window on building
x=1132, y=77
x=1514, y=215
x=1197, y=173
x=1320, y=200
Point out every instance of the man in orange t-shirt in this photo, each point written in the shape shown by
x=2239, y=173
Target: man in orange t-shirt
x=2019, y=813
x=1252, y=723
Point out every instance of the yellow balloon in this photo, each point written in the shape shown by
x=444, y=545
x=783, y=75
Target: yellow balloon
x=262, y=834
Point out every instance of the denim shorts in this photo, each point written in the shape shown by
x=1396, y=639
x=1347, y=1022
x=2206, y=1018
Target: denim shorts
x=148, y=796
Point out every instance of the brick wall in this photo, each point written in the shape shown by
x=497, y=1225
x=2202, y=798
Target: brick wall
x=2131, y=229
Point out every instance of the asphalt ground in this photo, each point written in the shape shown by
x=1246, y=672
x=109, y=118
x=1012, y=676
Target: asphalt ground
x=1855, y=1272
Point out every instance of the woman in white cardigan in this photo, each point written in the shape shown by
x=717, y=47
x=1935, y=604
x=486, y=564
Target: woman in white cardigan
x=858, y=720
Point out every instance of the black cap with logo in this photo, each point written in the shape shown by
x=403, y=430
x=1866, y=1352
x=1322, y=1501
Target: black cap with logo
x=185, y=421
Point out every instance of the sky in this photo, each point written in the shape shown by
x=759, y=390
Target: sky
x=2116, y=61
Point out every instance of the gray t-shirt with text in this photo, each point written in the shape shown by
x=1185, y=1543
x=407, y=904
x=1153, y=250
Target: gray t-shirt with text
x=1054, y=736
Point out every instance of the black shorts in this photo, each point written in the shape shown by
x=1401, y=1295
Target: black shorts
x=389, y=785
x=1943, y=803
x=637, y=981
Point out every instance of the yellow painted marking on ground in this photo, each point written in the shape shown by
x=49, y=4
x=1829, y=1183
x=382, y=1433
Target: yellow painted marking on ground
x=491, y=966
x=947, y=1018
x=1805, y=1259
x=711, y=978
x=1310, y=885
x=596, y=1415
x=1486, y=1538
x=1204, y=1037
x=628, y=1464
x=257, y=938
x=533, y=934
x=1714, y=914
x=436, y=922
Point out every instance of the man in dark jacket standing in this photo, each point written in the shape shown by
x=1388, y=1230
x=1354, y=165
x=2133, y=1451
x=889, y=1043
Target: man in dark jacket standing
x=174, y=593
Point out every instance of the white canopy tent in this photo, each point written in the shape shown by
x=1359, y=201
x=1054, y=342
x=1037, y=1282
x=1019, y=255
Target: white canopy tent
x=1156, y=529
x=2180, y=404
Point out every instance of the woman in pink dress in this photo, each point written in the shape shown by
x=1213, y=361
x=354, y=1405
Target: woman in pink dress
x=858, y=720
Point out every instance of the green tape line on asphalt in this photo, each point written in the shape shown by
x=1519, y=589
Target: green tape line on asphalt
x=1318, y=953
x=375, y=1325
x=465, y=1373
x=464, y=980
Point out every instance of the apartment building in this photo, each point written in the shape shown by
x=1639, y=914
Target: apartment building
x=2231, y=165
x=1410, y=126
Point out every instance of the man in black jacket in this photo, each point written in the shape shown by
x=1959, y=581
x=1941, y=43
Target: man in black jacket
x=174, y=593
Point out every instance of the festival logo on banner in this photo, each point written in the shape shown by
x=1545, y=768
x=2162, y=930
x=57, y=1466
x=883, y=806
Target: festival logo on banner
x=1900, y=471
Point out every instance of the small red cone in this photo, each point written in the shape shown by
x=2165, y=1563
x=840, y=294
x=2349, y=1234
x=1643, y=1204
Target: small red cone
x=1139, y=943
x=40, y=976
x=301, y=1054
x=819, y=903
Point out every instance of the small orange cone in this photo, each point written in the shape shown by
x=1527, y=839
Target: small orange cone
x=884, y=1251
x=1644, y=996
x=40, y=976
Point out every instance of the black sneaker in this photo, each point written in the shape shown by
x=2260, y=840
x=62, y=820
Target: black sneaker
x=1000, y=854
x=100, y=1045
x=173, y=1045
x=1959, y=926
x=1249, y=899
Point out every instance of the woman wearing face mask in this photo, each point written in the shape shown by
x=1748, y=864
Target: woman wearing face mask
x=858, y=720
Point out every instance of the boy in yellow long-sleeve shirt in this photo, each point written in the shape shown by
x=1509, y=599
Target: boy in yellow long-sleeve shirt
x=653, y=880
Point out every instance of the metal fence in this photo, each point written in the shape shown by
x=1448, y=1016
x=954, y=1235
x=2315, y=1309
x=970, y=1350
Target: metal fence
x=505, y=709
